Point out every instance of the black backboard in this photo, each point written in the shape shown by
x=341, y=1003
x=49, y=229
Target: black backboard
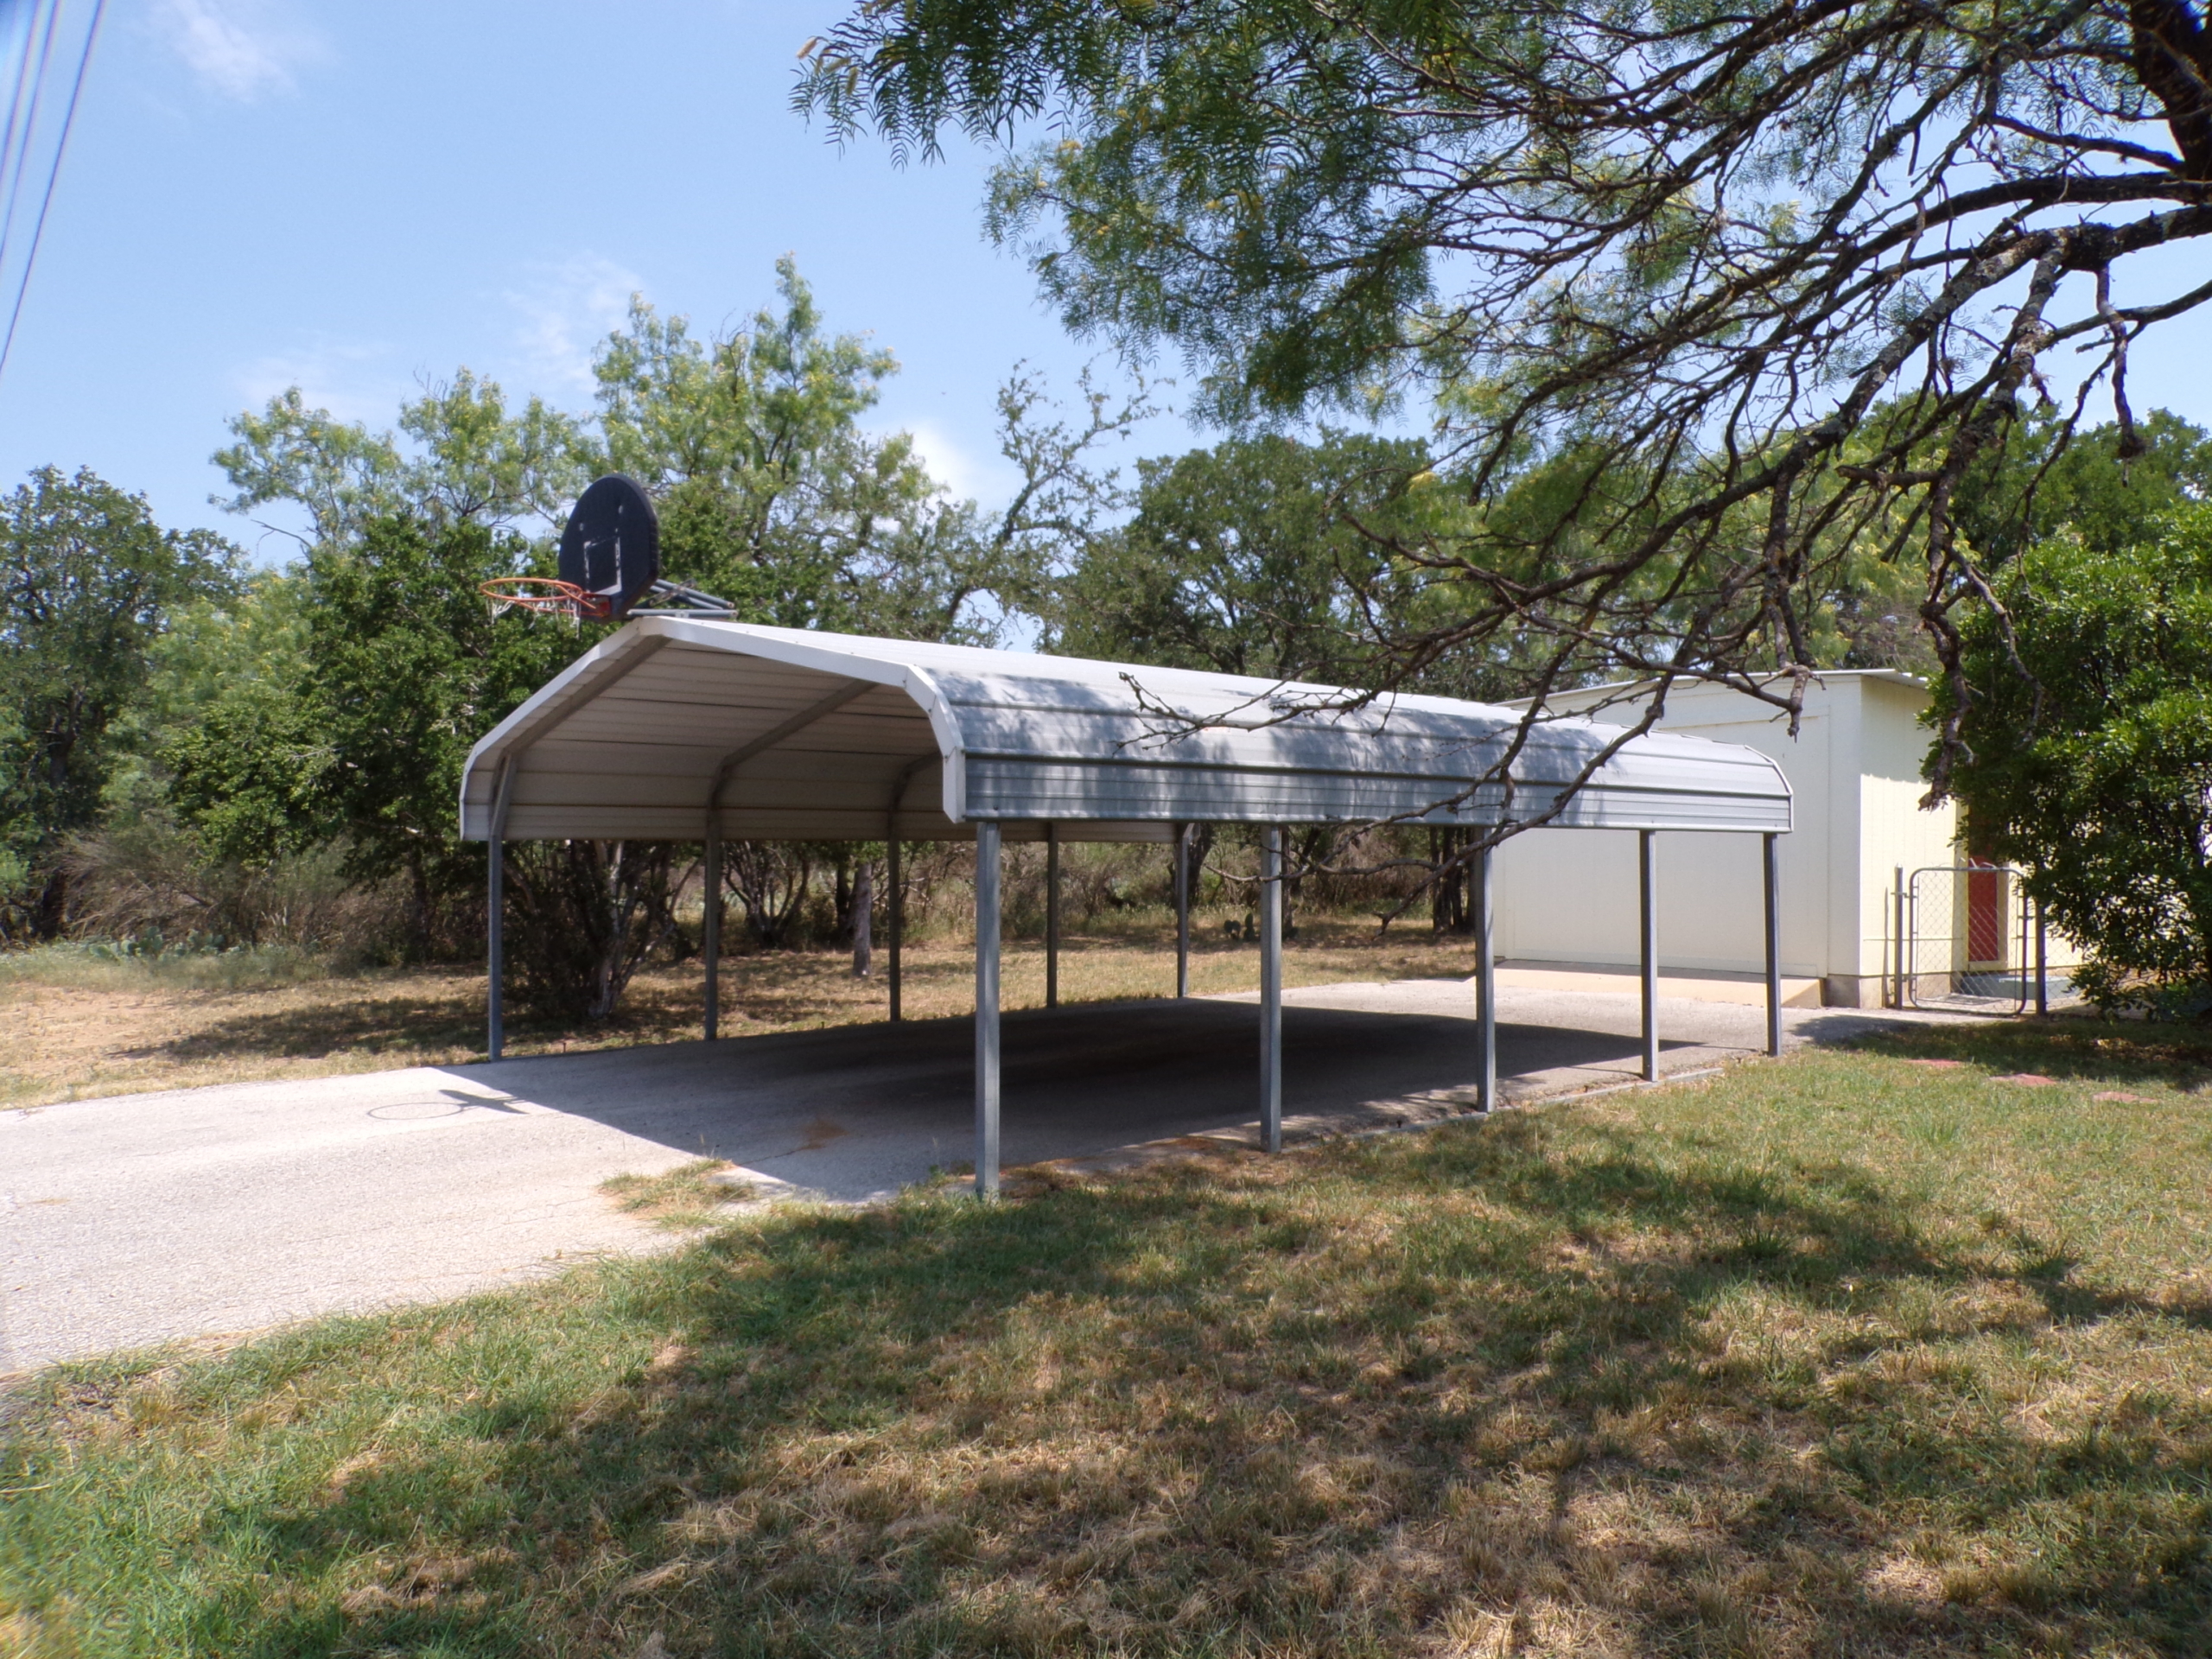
x=611, y=545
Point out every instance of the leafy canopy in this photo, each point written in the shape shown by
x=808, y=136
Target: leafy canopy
x=1252, y=558
x=88, y=583
x=1784, y=277
x=772, y=493
x=2095, y=773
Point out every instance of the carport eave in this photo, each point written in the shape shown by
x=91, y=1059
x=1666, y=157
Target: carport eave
x=594, y=673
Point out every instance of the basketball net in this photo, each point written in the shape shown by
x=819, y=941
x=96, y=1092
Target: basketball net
x=544, y=595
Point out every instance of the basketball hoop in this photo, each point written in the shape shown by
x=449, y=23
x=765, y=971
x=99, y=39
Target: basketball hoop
x=544, y=595
x=610, y=558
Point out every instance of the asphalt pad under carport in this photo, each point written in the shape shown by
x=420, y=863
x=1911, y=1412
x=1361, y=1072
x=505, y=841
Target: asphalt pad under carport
x=856, y=1112
x=194, y=1212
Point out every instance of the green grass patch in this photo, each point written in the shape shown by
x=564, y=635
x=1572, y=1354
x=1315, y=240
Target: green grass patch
x=101, y=966
x=1846, y=1355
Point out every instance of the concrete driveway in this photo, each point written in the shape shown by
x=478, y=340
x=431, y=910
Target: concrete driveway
x=144, y=1218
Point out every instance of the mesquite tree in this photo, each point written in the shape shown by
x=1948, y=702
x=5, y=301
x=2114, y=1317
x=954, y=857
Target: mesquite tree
x=1709, y=301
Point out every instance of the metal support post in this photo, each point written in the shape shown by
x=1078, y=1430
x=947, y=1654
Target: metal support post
x=495, y=914
x=1485, y=987
x=1271, y=987
x=1183, y=910
x=495, y=951
x=1051, y=915
x=711, y=929
x=895, y=916
x=986, y=1010
x=1773, y=945
x=1648, y=931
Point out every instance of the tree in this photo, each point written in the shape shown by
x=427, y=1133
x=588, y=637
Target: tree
x=88, y=582
x=2094, y=772
x=1784, y=276
x=1257, y=556
x=771, y=494
x=2085, y=487
x=402, y=670
x=474, y=461
x=773, y=497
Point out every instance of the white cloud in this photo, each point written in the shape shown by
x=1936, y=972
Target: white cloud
x=966, y=476
x=566, y=309
x=333, y=374
x=240, y=48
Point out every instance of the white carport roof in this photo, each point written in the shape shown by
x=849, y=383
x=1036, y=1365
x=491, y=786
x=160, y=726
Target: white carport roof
x=822, y=736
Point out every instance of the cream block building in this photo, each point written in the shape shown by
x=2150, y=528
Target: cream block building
x=1567, y=899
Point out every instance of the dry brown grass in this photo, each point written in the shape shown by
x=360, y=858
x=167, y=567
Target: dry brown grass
x=682, y=1199
x=79, y=1030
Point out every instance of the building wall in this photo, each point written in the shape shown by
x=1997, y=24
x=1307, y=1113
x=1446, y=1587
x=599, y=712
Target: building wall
x=1894, y=829
x=1854, y=769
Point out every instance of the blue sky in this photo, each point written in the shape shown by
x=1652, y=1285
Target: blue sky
x=354, y=198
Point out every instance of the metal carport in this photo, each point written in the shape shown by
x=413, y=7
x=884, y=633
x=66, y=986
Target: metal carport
x=681, y=730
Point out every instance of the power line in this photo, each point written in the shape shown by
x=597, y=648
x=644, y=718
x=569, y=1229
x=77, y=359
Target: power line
x=21, y=138
x=13, y=135
x=46, y=200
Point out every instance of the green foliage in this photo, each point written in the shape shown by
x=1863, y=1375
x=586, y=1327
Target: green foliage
x=88, y=583
x=224, y=690
x=2047, y=484
x=583, y=917
x=771, y=495
x=400, y=670
x=473, y=461
x=2093, y=768
x=1258, y=556
x=1769, y=288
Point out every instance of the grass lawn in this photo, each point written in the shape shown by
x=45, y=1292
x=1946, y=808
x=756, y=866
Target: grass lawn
x=81, y=1025
x=1853, y=1354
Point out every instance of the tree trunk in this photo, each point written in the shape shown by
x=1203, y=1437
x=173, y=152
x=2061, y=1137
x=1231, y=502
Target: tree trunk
x=418, y=877
x=862, y=921
x=50, y=914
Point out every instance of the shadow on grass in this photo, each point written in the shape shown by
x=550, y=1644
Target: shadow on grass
x=414, y=1022
x=372, y=1024
x=2067, y=1047
x=1539, y=1384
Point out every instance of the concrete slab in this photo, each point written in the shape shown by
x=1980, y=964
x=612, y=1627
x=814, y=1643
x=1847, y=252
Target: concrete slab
x=149, y=1217
x=1749, y=990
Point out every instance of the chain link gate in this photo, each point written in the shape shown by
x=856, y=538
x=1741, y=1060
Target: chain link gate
x=1967, y=940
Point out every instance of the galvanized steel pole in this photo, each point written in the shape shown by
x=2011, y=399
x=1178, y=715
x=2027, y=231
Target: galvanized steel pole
x=495, y=914
x=495, y=949
x=711, y=943
x=986, y=1010
x=1051, y=915
x=1648, y=930
x=1485, y=987
x=1271, y=987
x=1773, y=945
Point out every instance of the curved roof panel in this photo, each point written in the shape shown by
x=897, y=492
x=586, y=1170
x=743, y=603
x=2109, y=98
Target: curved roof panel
x=798, y=734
